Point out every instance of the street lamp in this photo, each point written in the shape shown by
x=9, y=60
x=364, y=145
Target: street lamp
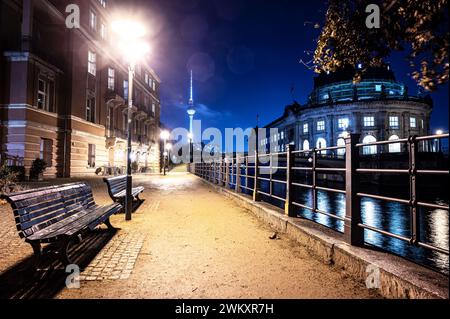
x=191, y=148
x=133, y=49
x=165, y=135
x=169, y=147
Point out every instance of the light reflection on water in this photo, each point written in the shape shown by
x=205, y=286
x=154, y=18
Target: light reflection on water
x=388, y=216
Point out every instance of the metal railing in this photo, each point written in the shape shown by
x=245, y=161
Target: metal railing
x=243, y=173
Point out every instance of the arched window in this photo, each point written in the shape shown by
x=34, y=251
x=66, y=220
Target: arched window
x=369, y=150
x=321, y=143
x=341, y=142
x=306, y=145
x=394, y=148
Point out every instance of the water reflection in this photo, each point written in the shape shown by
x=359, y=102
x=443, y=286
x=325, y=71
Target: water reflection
x=392, y=217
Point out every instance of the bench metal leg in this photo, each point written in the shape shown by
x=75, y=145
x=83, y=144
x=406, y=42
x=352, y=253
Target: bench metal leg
x=37, y=249
x=63, y=252
x=108, y=224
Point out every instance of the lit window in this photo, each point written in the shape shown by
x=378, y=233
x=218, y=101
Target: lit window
x=91, y=155
x=154, y=85
x=326, y=96
x=422, y=124
x=369, y=150
x=343, y=123
x=369, y=121
x=378, y=88
x=341, y=143
x=111, y=79
x=93, y=20
x=413, y=122
x=153, y=109
x=393, y=121
x=306, y=145
x=147, y=78
x=42, y=96
x=125, y=90
x=396, y=147
x=90, y=108
x=92, y=63
x=321, y=125
x=282, y=135
x=102, y=3
x=321, y=143
x=46, y=151
x=305, y=128
x=103, y=32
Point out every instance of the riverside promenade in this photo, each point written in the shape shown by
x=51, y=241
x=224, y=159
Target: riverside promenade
x=185, y=241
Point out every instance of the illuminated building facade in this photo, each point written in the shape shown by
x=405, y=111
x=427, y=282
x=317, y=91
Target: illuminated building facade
x=378, y=107
x=64, y=92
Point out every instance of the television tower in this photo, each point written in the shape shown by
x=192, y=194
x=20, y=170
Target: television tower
x=191, y=110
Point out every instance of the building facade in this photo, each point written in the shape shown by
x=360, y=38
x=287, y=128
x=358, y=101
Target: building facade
x=378, y=108
x=63, y=92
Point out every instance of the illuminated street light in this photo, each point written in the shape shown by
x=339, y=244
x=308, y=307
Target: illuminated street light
x=133, y=50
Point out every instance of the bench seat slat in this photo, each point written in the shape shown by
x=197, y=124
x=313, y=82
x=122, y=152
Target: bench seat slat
x=76, y=222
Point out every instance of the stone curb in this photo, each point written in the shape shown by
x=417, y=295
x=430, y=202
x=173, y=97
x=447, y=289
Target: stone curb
x=399, y=278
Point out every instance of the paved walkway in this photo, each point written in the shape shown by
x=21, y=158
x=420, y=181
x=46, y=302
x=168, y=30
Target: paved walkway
x=186, y=241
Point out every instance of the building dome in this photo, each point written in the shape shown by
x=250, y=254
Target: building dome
x=378, y=108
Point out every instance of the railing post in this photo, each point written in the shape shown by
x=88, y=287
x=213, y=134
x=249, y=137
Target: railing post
x=221, y=171
x=289, y=208
x=256, y=182
x=314, y=180
x=238, y=174
x=227, y=174
x=354, y=234
x=415, y=221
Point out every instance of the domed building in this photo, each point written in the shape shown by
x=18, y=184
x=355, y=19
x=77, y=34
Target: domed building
x=378, y=107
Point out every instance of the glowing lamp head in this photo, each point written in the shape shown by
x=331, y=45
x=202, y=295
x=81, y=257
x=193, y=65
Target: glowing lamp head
x=128, y=29
x=130, y=34
x=190, y=136
x=169, y=147
x=191, y=112
x=439, y=132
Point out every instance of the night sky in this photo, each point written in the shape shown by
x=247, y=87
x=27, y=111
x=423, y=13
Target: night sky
x=245, y=57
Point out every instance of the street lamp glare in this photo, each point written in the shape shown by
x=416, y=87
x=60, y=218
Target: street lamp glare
x=169, y=146
x=439, y=132
x=134, y=51
x=128, y=29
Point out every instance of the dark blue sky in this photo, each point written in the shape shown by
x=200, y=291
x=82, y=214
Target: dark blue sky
x=245, y=57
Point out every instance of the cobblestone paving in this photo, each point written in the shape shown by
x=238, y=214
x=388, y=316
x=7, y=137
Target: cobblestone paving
x=116, y=260
x=12, y=248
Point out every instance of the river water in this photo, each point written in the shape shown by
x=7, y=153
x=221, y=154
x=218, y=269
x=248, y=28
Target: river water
x=388, y=216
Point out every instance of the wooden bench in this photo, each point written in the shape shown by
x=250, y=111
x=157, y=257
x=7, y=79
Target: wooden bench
x=58, y=215
x=117, y=188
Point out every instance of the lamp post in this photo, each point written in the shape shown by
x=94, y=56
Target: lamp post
x=165, y=136
x=133, y=49
x=191, y=148
x=169, y=147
